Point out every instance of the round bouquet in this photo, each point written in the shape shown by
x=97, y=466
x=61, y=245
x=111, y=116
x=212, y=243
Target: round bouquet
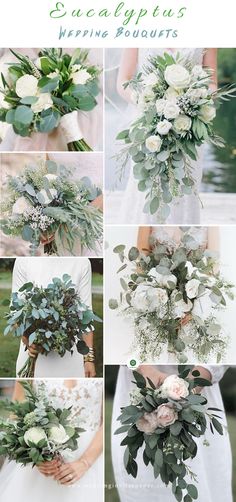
x=39, y=432
x=41, y=95
x=53, y=318
x=176, y=111
x=44, y=201
x=171, y=298
x=165, y=423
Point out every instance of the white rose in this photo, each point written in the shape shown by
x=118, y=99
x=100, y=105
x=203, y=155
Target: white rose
x=34, y=435
x=160, y=105
x=163, y=127
x=21, y=205
x=3, y=103
x=57, y=434
x=182, y=123
x=175, y=388
x=47, y=200
x=198, y=72
x=177, y=76
x=44, y=102
x=207, y=113
x=153, y=143
x=80, y=77
x=26, y=86
x=161, y=279
x=151, y=79
x=171, y=110
x=50, y=177
x=139, y=298
x=171, y=93
x=191, y=288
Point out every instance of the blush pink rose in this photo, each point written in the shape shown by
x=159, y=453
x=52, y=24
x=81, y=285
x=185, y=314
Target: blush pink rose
x=148, y=423
x=166, y=415
x=175, y=388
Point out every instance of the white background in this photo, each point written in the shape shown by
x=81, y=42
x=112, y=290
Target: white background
x=26, y=23
x=117, y=335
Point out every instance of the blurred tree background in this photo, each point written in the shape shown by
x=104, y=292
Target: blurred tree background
x=9, y=345
x=228, y=389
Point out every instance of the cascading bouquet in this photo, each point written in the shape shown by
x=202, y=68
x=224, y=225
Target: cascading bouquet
x=171, y=297
x=176, y=112
x=53, y=318
x=164, y=422
x=37, y=432
x=40, y=95
x=44, y=201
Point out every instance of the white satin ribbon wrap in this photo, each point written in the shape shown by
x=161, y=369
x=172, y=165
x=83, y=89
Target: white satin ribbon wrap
x=70, y=127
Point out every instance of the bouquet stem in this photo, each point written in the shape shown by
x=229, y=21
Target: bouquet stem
x=79, y=146
x=28, y=370
x=50, y=248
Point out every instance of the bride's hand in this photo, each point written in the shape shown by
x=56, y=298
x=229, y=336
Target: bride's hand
x=69, y=473
x=89, y=370
x=33, y=350
x=98, y=202
x=156, y=376
x=49, y=468
x=47, y=240
x=186, y=319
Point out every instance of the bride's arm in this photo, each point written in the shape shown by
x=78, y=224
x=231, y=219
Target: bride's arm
x=127, y=71
x=143, y=238
x=18, y=393
x=69, y=473
x=158, y=377
x=210, y=60
x=213, y=239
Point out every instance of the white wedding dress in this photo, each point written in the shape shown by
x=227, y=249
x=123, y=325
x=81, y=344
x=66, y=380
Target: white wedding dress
x=41, y=271
x=184, y=210
x=212, y=465
x=24, y=484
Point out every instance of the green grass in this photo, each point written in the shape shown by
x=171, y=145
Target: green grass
x=5, y=276
x=111, y=494
x=9, y=345
x=97, y=279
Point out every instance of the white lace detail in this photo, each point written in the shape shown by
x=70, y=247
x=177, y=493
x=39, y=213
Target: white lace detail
x=85, y=398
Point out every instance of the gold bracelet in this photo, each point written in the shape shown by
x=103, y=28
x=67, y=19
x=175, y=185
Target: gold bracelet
x=90, y=357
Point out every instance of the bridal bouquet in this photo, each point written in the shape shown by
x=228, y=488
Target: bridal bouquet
x=164, y=422
x=40, y=95
x=176, y=111
x=38, y=431
x=44, y=201
x=53, y=318
x=171, y=297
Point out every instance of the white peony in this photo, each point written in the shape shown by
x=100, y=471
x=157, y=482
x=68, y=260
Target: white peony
x=57, y=434
x=44, y=102
x=202, y=306
x=174, y=388
x=151, y=79
x=191, y=288
x=21, y=205
x=47, y=200
x=199, y=72
x=26, y=86
x=207, y=113
x=34, y=435
x=171, y=94
x=177, y=76
x=163, y=127
x=182, y=123
x=162, y=280
x=171, y=110
x=80, y=77
x=50, y=177
x=160, y=106
x=153, y=143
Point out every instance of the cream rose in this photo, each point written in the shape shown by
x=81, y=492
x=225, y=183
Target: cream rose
x=174, y=388
x=34, y=435
x=21, y=205
x=182, y=123
x=163, y=127
x=191, y=288
x=46, y=199
x=171, y=94
x=57, y=434
x=207, y=113
x=177, y=76
x=44, y=102
x=171, y=110
x=160, y=106
x=153, y=143
x=26, y=86
x=166, y=415
x=151, y=79
x=80, y=77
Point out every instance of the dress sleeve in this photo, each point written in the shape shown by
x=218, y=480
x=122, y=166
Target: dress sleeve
x=217, y=371
x=85, y=285
x=19, y=276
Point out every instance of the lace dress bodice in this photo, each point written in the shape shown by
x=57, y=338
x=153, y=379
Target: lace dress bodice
x=191, y=54
x=85, y=398
x=172, y=235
